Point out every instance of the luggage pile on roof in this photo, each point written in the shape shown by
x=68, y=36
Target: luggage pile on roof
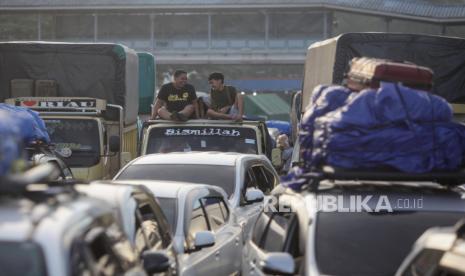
x=393, y=126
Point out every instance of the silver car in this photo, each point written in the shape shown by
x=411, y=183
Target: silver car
x=59, y=234
x=206, y=234
x=347, y=227
x=244, y=177
x=140, y=216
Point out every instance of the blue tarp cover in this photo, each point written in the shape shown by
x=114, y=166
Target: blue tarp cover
x=9, y=141
x=31, y=127
x=394, y=126
x=283, y=126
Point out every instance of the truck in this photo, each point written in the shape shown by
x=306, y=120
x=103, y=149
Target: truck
x=87, y=95
x=161, y=136
x=327, y=62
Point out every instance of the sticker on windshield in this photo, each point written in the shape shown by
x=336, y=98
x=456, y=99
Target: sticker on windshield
x=202, y=132
x=203, y=144
x=250, y=141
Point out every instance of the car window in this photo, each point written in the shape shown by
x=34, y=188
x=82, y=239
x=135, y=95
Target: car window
x=198, y=221
x=216, y=175
x=147, y=229
x=271, y=229
x=21, y=258
x=249, y=182
x=271, y=177
x=198, y=138
x=263, y=183
x=152, y=227
x=108, y=250
x=169, y=206
x=99, y=248
x=216, y=210
x=78, y=263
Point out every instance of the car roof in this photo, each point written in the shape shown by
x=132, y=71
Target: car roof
x=112, y=194
x=163, y=188
x=20, y=217
x=205, y=158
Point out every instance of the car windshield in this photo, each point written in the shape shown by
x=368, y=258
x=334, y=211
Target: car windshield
x=168, y=205
x=216, y=175
x=21, y=258
x=371, y=235
x=191, y=138
x=77, y=140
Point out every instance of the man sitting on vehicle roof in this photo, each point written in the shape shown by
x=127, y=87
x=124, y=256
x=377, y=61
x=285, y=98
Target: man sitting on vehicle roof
x=225, y=102
x=175, y=100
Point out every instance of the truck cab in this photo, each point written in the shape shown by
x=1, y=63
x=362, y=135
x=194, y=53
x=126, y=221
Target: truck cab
x=87, y=133
x=160, y=136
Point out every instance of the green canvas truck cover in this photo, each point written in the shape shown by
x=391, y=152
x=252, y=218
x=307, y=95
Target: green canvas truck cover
x=147, y=81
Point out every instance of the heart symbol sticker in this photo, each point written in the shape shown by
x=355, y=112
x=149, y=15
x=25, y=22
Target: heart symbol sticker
x=29, y=103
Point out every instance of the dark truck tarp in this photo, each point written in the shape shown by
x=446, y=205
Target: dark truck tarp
x=147, y=81
x=104, y=71
x=327, y=61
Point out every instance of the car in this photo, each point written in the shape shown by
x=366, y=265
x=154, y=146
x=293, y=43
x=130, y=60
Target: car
x=246, y=178
x=139, y=215
x=207, y=236
x=54, y=230
x=350, y=223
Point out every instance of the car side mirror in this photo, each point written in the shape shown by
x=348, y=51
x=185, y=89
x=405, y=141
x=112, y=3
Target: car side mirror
x=253, y=195
x=114, y=143
x=155, y=262
x=203, y=239
x=276, y=157
x=278, y=263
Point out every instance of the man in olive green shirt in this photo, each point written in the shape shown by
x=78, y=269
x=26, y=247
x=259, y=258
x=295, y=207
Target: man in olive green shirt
x=225, y=102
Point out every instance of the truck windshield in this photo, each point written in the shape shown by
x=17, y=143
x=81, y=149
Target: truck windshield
x=195, y=138
x=21, y=258
x=77, y=140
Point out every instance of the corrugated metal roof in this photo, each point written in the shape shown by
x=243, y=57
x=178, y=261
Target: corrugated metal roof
x=417, y=8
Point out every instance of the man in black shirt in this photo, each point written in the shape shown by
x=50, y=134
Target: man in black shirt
x=175, y=100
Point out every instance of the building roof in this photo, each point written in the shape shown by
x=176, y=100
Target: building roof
x=413, y=8
x=269, y=104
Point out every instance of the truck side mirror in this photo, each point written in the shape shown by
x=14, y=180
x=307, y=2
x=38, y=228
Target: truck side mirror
x=276, y=159
x=114, y=143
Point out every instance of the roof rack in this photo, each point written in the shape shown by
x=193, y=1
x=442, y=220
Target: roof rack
x=200, y=121
x=313, y=178
x=23, y=184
